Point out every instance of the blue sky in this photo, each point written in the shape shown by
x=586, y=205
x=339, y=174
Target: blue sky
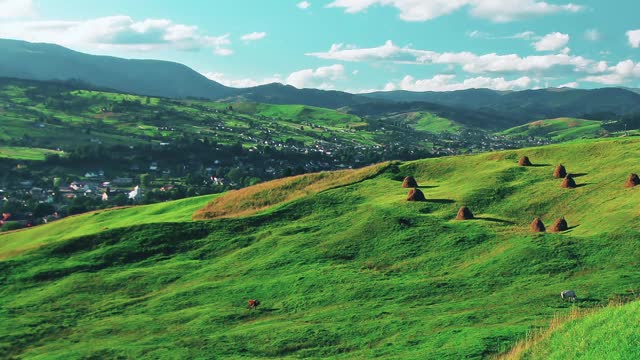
x=355, y=45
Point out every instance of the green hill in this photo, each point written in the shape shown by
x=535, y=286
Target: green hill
x=610, y=333
x=345, y=269
x=58, y=115
x=561, y=129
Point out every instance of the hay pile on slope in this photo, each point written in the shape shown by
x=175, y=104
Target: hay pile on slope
x=632, y=180
x=416, y=195
x=537, y=225
x=560, y=225
x=568, y=182
x=560, y=172
x=409, y=182
x=464, y=214
x=524, y=161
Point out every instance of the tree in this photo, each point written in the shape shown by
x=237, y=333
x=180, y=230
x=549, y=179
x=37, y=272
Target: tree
x=43, y=209
x=145, y=180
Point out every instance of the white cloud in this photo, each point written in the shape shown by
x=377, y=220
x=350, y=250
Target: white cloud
x=116, y=32
x=494, y=10
x=634, y=38
x=320, y=78
x=505, y=11
x=618, y=74
x=254, y=36
x=242, y=83
x=592, y=35
x=11, y=9
x=573, y=85
x=223, y=51
x=447, y=83
x=552, y=42
x=469, y=62
x=525, y=35
x=388, y=51
x=303, y=5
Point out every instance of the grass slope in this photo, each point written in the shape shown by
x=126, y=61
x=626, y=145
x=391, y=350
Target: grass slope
x=349, y=272
x=561, y=129
x=20, y=241
x=24, y=153
x=610, y=333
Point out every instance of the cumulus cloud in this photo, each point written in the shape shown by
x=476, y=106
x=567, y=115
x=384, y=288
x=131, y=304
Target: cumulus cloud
x=320, y=78
x=115, y=32
x=242, y=83
x=448, y=83
x=618, y=74
x=11, y=9
x=573, y=85
x=552, y=42
x=494, y=10
x=634, y=38
x=303, y=5
x=254, y=36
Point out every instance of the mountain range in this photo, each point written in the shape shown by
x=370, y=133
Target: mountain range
x=38, y=61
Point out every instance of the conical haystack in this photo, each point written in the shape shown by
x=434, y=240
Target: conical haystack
x=464, y=214
x=409, y=182
x=524, y=161
x=568, y=182
x=560, y=225
x=537, y=225
x=416, y=195
x=632, y=180
x=560, y=172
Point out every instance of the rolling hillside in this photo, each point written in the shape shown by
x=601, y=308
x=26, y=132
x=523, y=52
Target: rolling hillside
x=560, y=129
x=344, y=269
x=59, y=115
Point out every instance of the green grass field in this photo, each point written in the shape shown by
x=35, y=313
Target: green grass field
x=592, y=334
x=24, y=153
x=561, y=129
x=349, y=272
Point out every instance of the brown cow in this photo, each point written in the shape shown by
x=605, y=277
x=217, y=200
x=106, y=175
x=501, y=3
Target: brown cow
x=252, y=303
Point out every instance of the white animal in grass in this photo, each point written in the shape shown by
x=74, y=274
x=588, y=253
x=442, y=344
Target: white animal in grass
x=568, y=295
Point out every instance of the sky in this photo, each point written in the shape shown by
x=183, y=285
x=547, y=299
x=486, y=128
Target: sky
x=354, y=45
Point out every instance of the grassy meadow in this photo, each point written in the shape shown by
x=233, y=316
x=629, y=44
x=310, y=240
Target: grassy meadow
x=346, y=271
x=561, y=129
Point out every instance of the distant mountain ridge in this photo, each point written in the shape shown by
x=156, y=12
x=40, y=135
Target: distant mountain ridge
x=32, y=61
x=46, y=62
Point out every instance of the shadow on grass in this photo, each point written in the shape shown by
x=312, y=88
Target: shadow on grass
x=496, y=220
x=440, y=201
x=540, y=165
x=578, y=175
x=581, y=185
x=428, y=186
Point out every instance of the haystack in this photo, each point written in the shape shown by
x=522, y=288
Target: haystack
x=568, y=182
x=416, y=195
x=537, y=225
x=524, y=161
x=560, y=225
x=632, y=180
x=464, y=214
x=409, y=182
x=560, y=172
